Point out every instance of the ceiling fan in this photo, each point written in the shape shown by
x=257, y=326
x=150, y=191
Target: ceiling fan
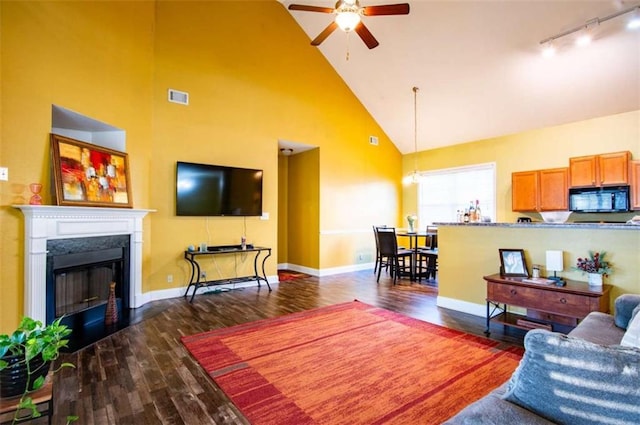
x=349, y=18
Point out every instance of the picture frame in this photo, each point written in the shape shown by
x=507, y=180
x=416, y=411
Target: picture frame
x=89, y=175
x=513, y=263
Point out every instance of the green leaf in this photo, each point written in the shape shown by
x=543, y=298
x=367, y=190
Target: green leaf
x=38, y=383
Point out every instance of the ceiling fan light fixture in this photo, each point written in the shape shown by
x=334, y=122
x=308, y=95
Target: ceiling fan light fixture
x=348, y=19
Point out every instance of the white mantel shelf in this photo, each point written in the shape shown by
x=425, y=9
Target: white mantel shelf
x=44, y=222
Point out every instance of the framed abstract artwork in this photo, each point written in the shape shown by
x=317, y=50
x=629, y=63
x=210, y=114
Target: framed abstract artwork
x=89, y=175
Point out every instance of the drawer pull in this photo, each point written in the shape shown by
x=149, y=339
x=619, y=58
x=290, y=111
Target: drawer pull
x=513, y=292
x=563, y=300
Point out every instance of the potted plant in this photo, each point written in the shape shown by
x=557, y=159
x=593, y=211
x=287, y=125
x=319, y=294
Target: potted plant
x=595, y=266
x=25, y=359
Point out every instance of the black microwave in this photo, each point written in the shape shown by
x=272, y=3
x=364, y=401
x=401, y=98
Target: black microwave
x=599, y=199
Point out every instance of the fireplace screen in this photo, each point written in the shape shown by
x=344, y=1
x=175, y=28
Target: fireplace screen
x=79, y=272
x=85, y=287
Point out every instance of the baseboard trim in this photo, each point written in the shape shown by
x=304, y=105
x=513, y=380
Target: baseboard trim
x=163, y=294
x=326, y=272
x=462, y=306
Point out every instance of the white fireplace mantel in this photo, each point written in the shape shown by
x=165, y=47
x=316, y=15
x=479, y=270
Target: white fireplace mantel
x=44, y=222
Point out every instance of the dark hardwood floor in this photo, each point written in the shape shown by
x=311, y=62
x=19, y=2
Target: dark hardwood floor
x=144, y=375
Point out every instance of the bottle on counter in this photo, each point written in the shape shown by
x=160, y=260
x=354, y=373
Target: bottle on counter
x=472, y=212
x=478, y=211
x=465, y=217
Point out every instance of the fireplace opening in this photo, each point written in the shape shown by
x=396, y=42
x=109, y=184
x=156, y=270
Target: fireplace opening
x=79, y=273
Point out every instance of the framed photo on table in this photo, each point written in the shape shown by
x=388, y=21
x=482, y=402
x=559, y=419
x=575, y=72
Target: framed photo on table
x=512, y=263
x=89, y=175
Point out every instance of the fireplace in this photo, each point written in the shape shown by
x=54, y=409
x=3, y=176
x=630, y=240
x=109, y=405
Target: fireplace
x=74, y=251
x=79, y=273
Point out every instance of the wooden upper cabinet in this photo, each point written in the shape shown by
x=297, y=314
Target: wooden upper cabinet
x=583, y=171
x=635, y=185
x=554, y=189
x=614, y=168
x=540, y=190
x=608, y=169
x=524, y=186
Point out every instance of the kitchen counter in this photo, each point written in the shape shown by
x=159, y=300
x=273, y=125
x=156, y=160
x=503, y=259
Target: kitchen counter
x=543, y=225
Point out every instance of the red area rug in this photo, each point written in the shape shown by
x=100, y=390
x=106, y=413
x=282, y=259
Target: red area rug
x=284, y=275
x=350, y=363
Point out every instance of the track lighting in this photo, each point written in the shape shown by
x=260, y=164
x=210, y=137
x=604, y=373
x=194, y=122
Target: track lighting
x=634, y=22
x=549, y=50
x=584, y=39
x=585, y=36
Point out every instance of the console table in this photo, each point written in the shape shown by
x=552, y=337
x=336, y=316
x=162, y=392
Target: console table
x=547, y=305
x=196, y=283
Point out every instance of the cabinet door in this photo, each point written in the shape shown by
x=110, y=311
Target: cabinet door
x=554, y=190
x=635, y=185
x=524, y=186
x=583, y=171
x=613, y=168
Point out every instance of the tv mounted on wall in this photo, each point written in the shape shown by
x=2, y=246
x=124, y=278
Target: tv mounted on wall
x=216, y=190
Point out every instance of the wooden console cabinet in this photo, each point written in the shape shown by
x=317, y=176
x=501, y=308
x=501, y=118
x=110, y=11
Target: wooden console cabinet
x=547, y=305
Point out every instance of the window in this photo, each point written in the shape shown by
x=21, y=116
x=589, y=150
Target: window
x=442, y=193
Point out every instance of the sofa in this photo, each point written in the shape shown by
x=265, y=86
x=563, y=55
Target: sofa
x=589, y=376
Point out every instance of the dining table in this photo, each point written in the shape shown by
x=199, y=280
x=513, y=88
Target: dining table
x=414, y=245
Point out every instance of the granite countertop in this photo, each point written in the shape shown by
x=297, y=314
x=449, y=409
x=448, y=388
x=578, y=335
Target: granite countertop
x=541, y=224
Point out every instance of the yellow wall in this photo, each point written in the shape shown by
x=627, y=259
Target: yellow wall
x=467, y=253
x=303, y=212
x=283, y=202
x=532, y=150
x=95, y=58
x=252, y=78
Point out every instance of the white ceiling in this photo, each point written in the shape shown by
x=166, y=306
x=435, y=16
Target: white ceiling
x=478, y=66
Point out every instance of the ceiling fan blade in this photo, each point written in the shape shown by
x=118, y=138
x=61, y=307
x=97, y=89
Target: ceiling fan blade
x=366, y=35
x=386, y=9
x=310, y=8
x=324, y=34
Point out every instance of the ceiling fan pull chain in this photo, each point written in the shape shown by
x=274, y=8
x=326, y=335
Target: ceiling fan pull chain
x=348, y=38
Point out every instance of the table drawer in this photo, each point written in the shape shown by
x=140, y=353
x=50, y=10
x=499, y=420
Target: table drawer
x=562, y=303
x=567, y=304
x=516, y=295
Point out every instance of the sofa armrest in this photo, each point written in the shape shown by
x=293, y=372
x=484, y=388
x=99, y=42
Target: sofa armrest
x=624, y=306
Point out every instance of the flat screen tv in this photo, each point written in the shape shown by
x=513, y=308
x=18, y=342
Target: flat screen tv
x=216, y=190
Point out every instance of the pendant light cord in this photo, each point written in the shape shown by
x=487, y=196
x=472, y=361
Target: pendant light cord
x=415, y=131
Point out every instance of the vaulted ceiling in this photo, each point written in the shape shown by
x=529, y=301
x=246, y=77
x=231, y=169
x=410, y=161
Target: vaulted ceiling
x=479, y=68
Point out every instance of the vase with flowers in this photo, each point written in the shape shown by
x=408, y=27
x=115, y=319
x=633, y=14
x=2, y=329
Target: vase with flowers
x=595, y=266
x=411, y=219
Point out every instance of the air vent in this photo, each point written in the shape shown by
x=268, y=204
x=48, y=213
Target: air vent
x=177, y=96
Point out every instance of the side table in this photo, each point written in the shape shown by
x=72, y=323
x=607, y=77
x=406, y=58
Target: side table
x=43, y=398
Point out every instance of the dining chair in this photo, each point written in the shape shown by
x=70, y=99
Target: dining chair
x=399, y=262
x=375, y=235
x=431, y=238
x=427, y=264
